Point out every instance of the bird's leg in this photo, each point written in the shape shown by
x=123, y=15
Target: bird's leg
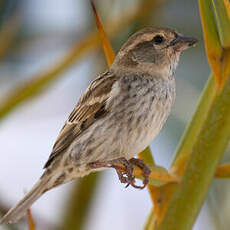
x=146, y=171
x=125, y=176
x=123, y=167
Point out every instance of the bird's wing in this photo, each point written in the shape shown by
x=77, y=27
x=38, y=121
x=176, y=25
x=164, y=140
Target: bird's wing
x=90, y=108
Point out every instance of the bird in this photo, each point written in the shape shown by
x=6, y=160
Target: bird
x=117, y=116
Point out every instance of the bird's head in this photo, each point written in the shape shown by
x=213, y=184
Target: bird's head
x=153, y=49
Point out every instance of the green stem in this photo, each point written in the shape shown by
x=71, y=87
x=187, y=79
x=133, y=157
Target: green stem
x=149, y=225
x=192, y=131
x=223, y=22
x=205, y=155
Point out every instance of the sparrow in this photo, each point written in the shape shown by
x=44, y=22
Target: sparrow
x=117, y=116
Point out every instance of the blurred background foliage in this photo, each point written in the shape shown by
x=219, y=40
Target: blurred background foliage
x=49, y=51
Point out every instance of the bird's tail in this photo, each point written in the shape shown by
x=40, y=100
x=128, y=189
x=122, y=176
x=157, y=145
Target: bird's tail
x=20, y=208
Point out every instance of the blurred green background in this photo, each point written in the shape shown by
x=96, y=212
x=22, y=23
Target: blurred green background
x=37, y=38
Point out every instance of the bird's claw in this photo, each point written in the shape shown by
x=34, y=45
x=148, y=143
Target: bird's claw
x=124, y=169
x=126, y=176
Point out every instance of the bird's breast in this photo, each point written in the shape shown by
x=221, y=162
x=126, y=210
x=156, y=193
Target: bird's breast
x=143, y=106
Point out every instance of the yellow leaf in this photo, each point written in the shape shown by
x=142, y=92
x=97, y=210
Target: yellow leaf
x=105, y=42
x=31, y=223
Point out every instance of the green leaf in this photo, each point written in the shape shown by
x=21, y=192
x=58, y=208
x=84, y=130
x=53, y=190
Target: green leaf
x=211, y=38
x=222, y=14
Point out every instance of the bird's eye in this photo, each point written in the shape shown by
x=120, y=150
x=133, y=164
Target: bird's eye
x=158, y=39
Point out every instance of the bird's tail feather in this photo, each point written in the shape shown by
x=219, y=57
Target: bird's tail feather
x=20, y=208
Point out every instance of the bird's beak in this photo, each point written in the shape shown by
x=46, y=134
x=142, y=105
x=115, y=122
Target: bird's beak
x=182, y=43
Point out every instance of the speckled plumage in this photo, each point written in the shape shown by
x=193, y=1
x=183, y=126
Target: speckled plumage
x=138, y=109
x=131, y=124
x=119, y=114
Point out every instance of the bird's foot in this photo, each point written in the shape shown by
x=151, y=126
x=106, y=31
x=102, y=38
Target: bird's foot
x=145, y=169
x=124, y=169
x=126, y=176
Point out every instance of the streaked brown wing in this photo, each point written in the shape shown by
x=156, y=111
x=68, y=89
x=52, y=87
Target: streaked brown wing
x=90, y=108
